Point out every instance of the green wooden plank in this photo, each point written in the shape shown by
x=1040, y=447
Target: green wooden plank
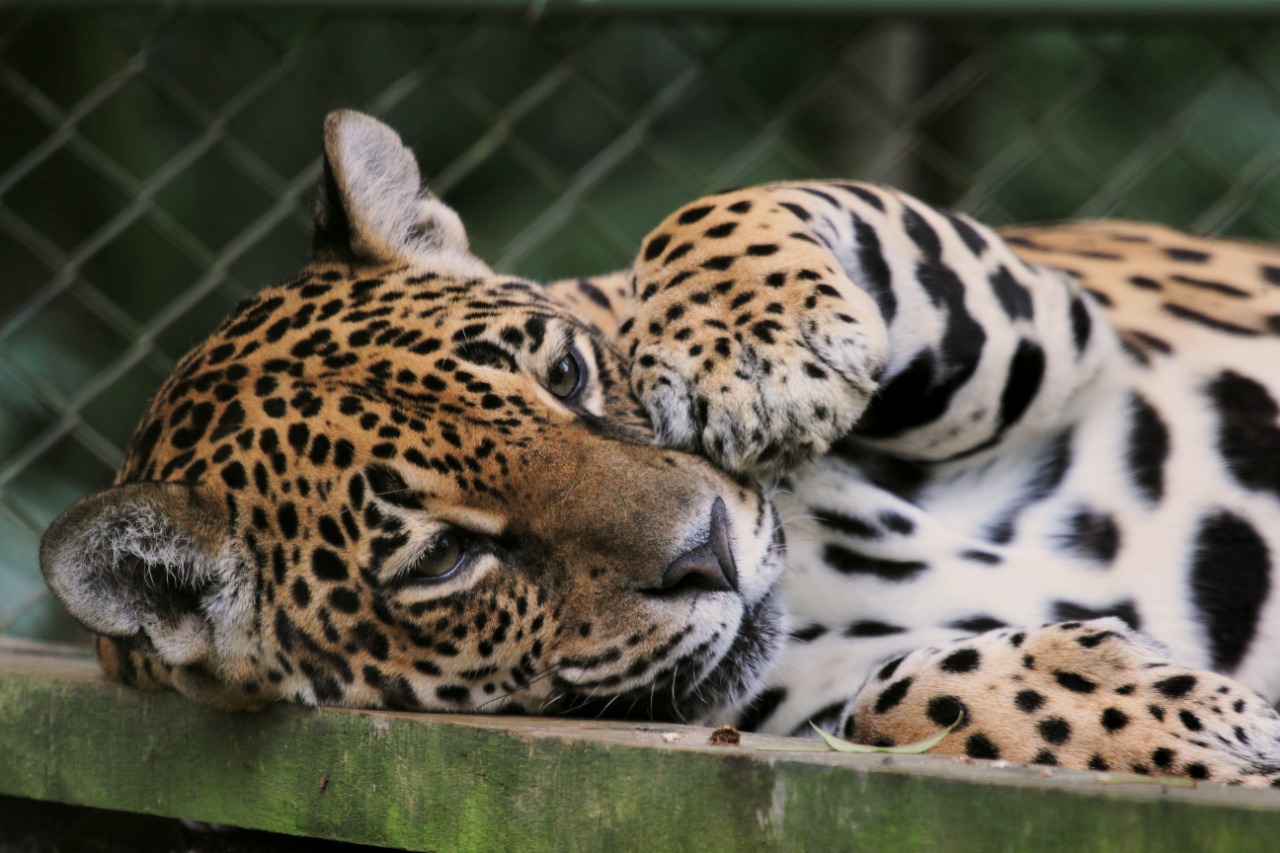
x=534, y=9
x=428, y=782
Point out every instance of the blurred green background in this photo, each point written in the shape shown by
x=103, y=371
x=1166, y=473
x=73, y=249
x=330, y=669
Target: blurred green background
x=157, y=165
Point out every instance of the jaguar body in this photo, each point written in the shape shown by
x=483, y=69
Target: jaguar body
x=824, y=453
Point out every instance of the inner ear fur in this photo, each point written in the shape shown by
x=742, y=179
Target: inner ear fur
x=373, y=208
x=156, y=559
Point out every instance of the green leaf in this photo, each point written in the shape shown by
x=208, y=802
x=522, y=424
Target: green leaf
x=842, y=745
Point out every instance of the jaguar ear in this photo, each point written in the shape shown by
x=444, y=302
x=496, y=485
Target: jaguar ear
x=373, y=208
x=156, y=559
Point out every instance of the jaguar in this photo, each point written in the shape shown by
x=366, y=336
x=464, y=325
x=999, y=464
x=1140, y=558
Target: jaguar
x=823, y=454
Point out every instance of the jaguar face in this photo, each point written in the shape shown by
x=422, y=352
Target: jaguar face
x=399, y=480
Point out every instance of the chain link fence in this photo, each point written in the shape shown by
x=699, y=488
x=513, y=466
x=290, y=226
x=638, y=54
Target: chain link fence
x=158, y=165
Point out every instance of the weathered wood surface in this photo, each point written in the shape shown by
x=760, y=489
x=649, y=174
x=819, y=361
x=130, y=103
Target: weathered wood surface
x=428, y=782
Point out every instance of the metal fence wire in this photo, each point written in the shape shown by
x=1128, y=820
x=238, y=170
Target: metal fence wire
x=156, y=166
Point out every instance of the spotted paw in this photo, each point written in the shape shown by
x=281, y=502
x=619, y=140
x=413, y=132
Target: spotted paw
x=1085, y=695
x=756, y=355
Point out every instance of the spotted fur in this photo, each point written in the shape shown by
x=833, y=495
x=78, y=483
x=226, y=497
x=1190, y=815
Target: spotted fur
x=1089, y=694
x=961, y=433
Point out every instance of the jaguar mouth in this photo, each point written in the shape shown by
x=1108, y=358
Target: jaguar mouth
x=698, y=687
x=739, y=675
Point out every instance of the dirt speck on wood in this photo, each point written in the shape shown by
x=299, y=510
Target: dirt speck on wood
x=725, y=736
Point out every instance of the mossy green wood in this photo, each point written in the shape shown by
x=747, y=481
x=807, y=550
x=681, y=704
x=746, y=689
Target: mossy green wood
x=426, y=782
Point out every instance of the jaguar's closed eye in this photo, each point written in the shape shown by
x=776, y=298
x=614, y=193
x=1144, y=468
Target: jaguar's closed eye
x=565, y=379
x=445, y=556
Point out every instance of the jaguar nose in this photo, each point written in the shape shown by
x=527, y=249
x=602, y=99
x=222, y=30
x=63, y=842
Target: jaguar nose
x=708, y=566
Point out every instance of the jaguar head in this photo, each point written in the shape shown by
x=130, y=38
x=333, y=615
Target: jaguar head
x=401, y=480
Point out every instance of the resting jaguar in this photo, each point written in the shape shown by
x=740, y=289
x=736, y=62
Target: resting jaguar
x=400, y=480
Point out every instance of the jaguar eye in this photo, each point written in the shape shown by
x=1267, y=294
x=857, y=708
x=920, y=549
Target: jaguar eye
x=446, y=554
x=565, y=378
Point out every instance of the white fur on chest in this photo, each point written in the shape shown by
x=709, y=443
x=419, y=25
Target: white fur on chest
x=851, y=621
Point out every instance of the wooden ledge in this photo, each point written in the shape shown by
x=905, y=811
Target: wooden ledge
x=437, y=782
